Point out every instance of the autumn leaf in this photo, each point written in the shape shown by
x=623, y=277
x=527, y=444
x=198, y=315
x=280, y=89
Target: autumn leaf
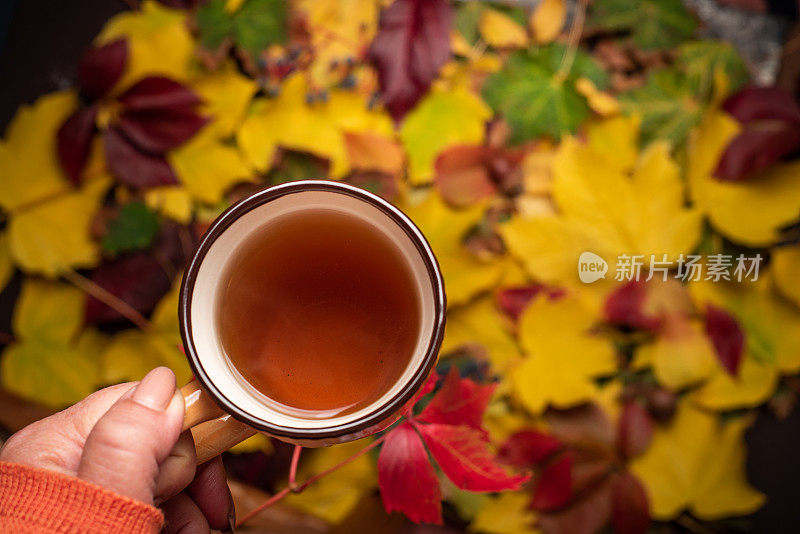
x=727, y=337
x=411, y=46
x=443, y=119
x=406, y=478
x=458, y=402
x=501, y=31
x=507, y=513
x=630, y=507
x=786, y=272
x=319, y=128
x=225, y=96
x=51, y=361
x=158, y=38
x=603, y=209
x=697, y=463
x=653, y=24
x=335, y=497
x=635, y=430
x=526, y=448
x=534, y=99
x=445, y=229
x=173, y=202
x=750, y=212
x=547, y=20
x=553, y=484
x=563, y=355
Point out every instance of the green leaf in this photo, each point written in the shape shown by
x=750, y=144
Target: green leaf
x=134, y=228
x=700, y=60
x=467, y=17
x=653, y=24
x=255, y=26
x=534, y=100
x=667, y=104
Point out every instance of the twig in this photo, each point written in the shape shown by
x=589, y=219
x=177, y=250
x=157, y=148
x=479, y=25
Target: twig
x=573, y=39
x=299, y=488
x=293, y=467
x=109, y=299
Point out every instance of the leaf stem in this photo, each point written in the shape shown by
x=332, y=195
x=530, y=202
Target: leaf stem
x=109, y=299
x=293, y=467
x=299, y=488
x=573, y=40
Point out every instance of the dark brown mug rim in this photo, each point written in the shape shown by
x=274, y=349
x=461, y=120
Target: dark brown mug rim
x=388, y=409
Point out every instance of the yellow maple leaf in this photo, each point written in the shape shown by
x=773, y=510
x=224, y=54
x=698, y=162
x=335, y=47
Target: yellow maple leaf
x=752, y=211
x=226, y=94
x=159, y=42
x=501, y=31
x=171, y=201
x=289, y=121
x=563, y=356
x=333, y=497
x=464, y=274
x=696, y=462
x=506, y=513
x=340, y=31
x=208, y=167
x=444, y=118
x=753, y=384
x=547, y=20
x=786, y=272
x=480, y=323
x=51, y=361
x=601, y=102
x=605, y=211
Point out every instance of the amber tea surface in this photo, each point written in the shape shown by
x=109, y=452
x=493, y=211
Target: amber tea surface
x=319, y=313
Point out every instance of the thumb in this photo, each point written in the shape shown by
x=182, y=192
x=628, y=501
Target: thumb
x=126, y=447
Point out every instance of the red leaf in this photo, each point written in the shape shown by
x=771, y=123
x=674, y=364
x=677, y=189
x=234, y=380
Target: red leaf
x=462, y=177
x=554, y=485
x=727, y=336
x=586, y=514
x=513, y=300
x=101, y=67
x=139, y=279
x=75, y=140
x=460, y=402
x=134, y=167
x=625, y=306
x=406, y=478
x=635, y=430
x=759, y=103
x=412, y=44
x=157, y=131
x=158, y=92
x=527, y=448
x=630, y=508
x=771, y=130
x=464, y=456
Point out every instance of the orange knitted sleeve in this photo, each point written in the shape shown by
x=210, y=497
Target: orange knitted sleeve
x=38, y=501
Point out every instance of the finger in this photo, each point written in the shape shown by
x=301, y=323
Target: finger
x=177, y=471
x=210, y=491
x=182, y=516
x=56, y=442
x=128, y=444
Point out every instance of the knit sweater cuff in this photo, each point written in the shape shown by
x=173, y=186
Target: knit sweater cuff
x=42, y=501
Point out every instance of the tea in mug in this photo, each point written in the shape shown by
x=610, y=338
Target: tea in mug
x=319, y=313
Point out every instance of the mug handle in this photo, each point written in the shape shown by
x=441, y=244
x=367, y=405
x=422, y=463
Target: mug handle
x=213, y=430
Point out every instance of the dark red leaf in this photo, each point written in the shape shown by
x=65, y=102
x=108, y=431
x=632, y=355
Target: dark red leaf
x=157, y=131
x=554, y=484
x=762, y=103
x=527, y=448
x=635, y=429
x=625, y=306
x=133, y=167
x=585, y=427
x=101, y=67
x=513, y=300
x=406, y=478
x=727, y=336
x=770, y=119
x=140, y=279
x=464, y=456
x=460, y=401
x=630, y=508
x=412, y=44
x=587, y=514
x=158, y=92
x=75, y=140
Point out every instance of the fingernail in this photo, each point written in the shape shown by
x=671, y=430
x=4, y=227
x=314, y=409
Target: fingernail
x=156, y=389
